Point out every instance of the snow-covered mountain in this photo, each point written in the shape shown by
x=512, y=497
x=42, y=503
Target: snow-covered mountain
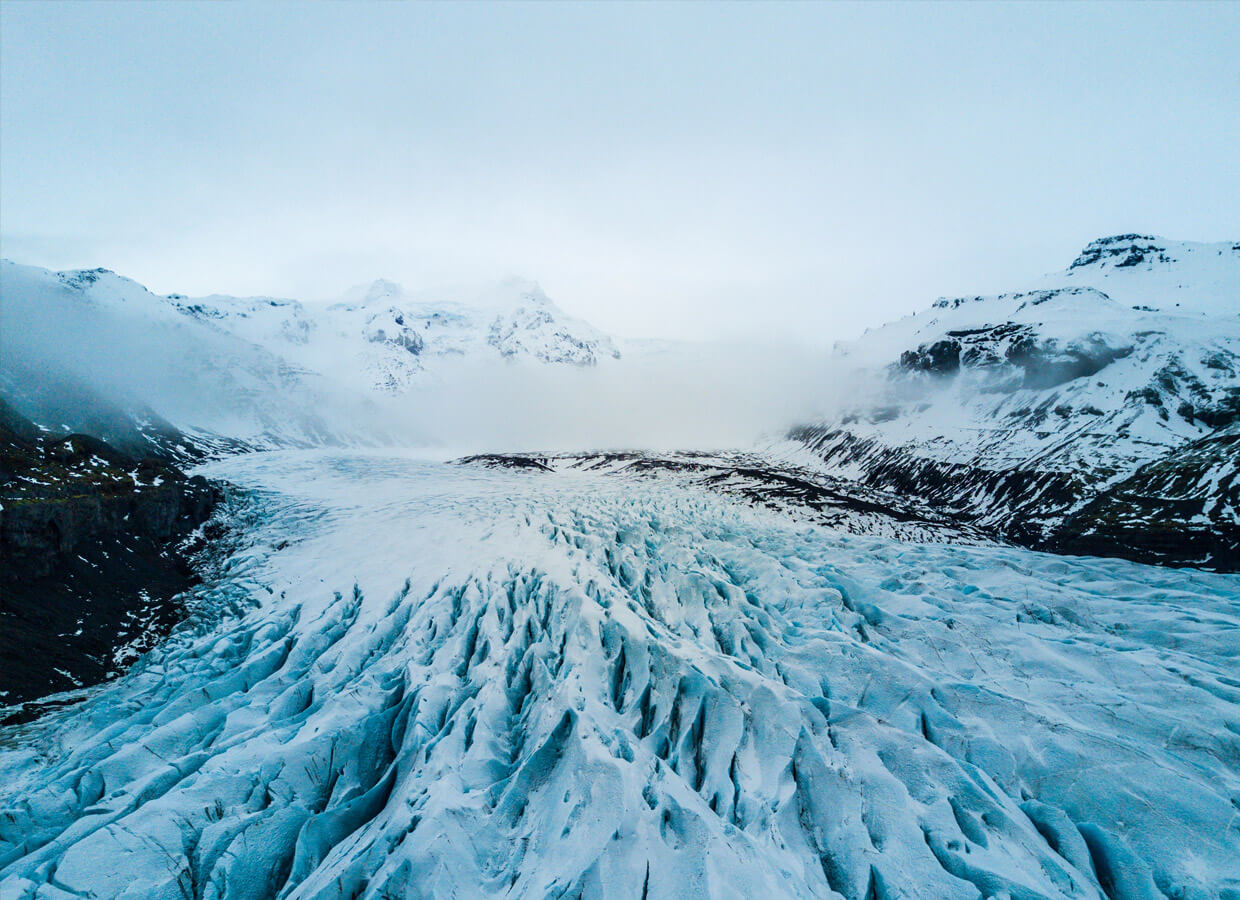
x=263, y=371
x=1048, y=414
x=381, y=337
x=1095, y=411
x=96, y=352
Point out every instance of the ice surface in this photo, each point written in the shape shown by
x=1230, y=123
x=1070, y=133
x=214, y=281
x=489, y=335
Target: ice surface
x=452, y=681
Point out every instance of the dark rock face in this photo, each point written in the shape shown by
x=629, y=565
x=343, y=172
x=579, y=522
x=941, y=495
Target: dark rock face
x=37, y=534
x=1046, y=364
x=88, y=538
x=1019, y=505
x=388, y=327
x=1181, y=510
x=1123, y=250
x=1223, y=413
x=1015, y=354
x=939, y=358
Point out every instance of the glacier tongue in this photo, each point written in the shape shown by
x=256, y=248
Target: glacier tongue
x=458, y=682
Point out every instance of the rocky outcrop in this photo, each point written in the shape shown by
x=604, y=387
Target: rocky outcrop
x=1023, y=505
x=390, y=326
x=1183, y=509
x=92, y=570
x=1180, y=510
x=1123, y=251
x=1047, y=364
x=38, y=534
x=1014, y=356
x=938, y=358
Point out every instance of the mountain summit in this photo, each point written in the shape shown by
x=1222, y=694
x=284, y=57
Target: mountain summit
x=1095, y=412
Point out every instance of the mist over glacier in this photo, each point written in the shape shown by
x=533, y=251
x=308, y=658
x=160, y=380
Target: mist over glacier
x=687, y=396
x=117, y=340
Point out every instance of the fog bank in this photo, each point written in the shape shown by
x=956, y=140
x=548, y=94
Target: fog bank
x=67, y=352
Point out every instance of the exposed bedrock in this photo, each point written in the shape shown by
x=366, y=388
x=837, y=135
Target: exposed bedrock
x=1182, y=509
x=91, y=567
x=1015, y=355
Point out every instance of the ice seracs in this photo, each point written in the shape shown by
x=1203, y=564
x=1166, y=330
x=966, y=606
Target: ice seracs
x=472, y=682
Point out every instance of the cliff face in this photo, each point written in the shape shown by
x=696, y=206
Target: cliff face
x=92, y=543
x=39, y=533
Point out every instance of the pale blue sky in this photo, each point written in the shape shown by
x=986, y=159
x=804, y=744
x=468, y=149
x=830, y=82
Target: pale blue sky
x=799, y=170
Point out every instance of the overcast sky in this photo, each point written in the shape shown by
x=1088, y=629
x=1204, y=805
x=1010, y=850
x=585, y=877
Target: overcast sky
x=687, y=170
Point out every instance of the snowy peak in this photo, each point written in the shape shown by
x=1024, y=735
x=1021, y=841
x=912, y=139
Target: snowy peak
x=1136, y=272
x=102, y=284
x=382, y=291
x=1129, y=288
x=1152, y=274
x=1017, y=408
x=537, y=328
x=377, y=337
x=101, y=289
x=1123, y=251
x=501, y=296
x=410, y=337
x=125, y=352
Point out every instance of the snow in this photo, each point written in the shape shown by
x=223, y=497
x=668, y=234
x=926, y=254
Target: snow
x=446, y=680
x=1174, y=316
x=102, y=335
x=381, y=337
x=1183, y=277
x=1128, y=355
x=279, y=372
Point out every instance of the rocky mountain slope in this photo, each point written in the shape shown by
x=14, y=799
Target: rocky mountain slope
x=91, y=572
x=1093, y=413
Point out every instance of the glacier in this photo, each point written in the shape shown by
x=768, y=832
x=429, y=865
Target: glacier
x=415, y=679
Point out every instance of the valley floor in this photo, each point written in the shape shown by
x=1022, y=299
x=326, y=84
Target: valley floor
x=460, y=681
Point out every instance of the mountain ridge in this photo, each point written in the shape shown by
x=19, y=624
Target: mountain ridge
x=1020, y=409
x=269, y=371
